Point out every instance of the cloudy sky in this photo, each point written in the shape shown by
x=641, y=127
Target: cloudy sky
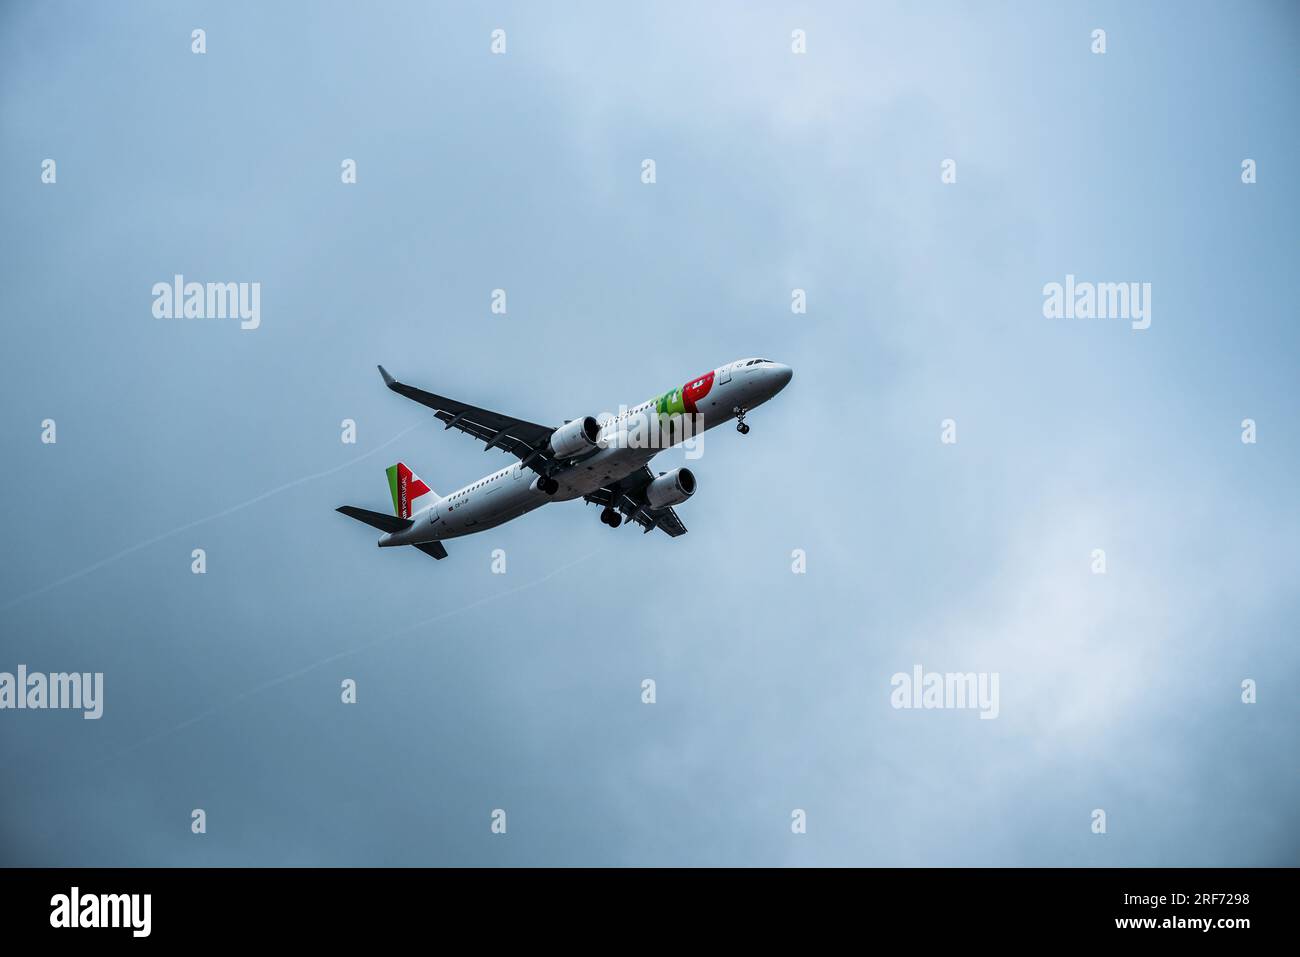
x=774, y=171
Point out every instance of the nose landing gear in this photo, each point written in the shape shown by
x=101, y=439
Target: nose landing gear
x=611, y=518
x=741, y=427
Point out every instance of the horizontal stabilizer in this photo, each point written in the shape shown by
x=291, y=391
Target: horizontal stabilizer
x=433, y=548
x=385, y=523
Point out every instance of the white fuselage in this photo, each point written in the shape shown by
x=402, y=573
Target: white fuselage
x=511, y=491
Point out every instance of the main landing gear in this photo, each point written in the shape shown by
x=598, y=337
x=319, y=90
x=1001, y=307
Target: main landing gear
x=741, y=427
x=548, y=485
x=611, y=518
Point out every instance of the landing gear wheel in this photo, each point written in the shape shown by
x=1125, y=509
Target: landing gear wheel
x=741, y=427
x=611, y=518
x=549, y=485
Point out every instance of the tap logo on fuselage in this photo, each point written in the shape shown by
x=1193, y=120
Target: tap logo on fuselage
x=685, y=398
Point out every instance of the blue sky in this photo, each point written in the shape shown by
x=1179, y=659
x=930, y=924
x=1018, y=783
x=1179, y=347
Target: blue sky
x=775, y=171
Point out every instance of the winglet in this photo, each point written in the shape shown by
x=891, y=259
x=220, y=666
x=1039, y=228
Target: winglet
x=388, y=380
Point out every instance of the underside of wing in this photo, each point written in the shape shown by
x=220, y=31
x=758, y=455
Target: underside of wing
x=628, y=497
x=666, y=518
x=526, y=440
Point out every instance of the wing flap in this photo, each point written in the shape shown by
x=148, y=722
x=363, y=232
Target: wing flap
x=666, y=519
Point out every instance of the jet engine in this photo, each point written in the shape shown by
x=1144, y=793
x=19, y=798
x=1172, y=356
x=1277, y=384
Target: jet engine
x=671, y=488
x=575, y=437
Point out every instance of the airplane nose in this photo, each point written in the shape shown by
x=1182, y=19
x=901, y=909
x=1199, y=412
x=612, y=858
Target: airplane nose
x=782, y=375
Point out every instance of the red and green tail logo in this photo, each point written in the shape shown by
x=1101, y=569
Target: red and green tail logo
x=406, y=488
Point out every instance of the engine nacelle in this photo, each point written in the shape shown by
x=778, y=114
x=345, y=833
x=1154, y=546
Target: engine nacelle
x=671, y=488
x=574, y=438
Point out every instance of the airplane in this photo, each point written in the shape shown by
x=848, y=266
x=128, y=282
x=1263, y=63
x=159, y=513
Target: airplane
x=600, y=462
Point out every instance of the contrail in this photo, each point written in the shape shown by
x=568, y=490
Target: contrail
x=391, y=636
x=200, y=521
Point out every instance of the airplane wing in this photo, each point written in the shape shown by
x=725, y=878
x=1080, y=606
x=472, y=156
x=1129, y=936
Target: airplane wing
x=627, y=495
x=527, y=440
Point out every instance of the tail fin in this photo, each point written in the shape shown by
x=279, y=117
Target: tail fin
x=409, y=493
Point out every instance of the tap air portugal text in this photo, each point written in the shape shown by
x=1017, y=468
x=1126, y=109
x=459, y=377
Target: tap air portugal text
x=583, y=459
